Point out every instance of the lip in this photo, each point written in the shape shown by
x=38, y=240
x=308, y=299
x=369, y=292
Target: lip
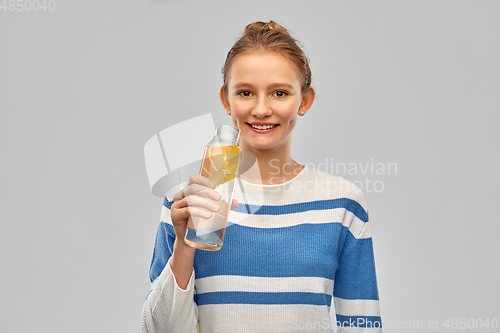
x=262, y=124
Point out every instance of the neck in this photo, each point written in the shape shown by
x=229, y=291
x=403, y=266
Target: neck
x=274, y=166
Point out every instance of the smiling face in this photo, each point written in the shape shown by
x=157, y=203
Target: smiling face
x=264, y=97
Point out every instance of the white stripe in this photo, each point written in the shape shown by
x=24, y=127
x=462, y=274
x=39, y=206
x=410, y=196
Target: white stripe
x=316, y=184
x=263, y=284
x=355, y=225
x=356, y=307
x=365, y=233
x=266, y=318
x=336, y=215
x=287, y=220
x=165, y=215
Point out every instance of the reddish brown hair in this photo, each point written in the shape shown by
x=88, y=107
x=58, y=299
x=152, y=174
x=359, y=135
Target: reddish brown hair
x=270, y=36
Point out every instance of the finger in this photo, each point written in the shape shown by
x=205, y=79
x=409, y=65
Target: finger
x=234, y=204
x=179, y=195
x=196, y=189
x=199, y=202
x=197, y=179
x=193, y=179
x=190, y=211
x=202, y=190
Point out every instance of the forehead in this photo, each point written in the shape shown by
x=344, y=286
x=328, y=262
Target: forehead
x=263, y=67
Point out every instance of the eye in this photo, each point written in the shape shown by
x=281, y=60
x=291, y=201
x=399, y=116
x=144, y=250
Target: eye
x=244, y=93
x=280, y=93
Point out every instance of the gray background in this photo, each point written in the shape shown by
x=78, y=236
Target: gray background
x=84, y=87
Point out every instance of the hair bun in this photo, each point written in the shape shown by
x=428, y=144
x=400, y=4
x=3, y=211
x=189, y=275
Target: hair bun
x=269, y=37
x=271, y=25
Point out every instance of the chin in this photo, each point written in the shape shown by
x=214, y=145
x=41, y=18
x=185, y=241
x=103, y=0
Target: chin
x=257, y=145
x=263, y=145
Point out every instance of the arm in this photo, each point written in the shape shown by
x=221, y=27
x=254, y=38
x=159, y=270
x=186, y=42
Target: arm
x=169, y=306
x=355, y=290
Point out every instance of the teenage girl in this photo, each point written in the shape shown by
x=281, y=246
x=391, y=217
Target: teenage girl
x=300, y=238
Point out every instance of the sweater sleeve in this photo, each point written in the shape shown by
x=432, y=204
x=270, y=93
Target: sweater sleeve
x=167, y=308
x=355, y=289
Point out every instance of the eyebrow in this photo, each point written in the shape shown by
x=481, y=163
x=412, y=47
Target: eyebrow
x=271, y=86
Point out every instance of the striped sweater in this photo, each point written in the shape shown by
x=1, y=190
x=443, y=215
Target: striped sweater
x=289, y=251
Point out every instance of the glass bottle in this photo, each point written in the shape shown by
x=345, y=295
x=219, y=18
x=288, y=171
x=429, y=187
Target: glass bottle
x=220, y=164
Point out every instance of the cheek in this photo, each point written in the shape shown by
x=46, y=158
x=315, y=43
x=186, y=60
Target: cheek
x=291, y=124
x=239, y=112
x=235, y=123
x=237, y=118
x=291, y=112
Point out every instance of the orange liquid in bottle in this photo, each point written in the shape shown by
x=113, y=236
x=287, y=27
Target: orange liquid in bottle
x=220, y=164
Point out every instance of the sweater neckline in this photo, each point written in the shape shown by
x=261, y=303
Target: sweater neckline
x=277, y=185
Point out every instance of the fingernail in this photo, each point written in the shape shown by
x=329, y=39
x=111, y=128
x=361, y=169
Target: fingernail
x=212, y=184
x=207, y=214
x=215, y=206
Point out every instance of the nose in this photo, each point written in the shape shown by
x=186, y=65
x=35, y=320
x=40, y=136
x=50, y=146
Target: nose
x=261, y=109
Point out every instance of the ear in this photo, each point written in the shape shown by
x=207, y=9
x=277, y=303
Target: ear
x=223, y=98
x=307, y=101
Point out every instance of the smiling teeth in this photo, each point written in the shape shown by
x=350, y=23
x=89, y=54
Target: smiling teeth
x=263, y=127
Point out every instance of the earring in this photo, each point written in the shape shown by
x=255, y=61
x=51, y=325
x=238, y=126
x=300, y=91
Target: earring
x=301, y=112
x=228, y=112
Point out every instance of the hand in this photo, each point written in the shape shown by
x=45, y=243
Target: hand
x=194, y=200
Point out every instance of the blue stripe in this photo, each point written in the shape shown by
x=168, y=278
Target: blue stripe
x=350, y=205
x=148, y=294
x=167, y=203
x=301, y=250
x=359, y=321
x=164, y=246
x=279, y=252
x=241, y=297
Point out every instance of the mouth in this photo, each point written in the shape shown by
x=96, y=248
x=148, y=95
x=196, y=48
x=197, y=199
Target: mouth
x=262, y=127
